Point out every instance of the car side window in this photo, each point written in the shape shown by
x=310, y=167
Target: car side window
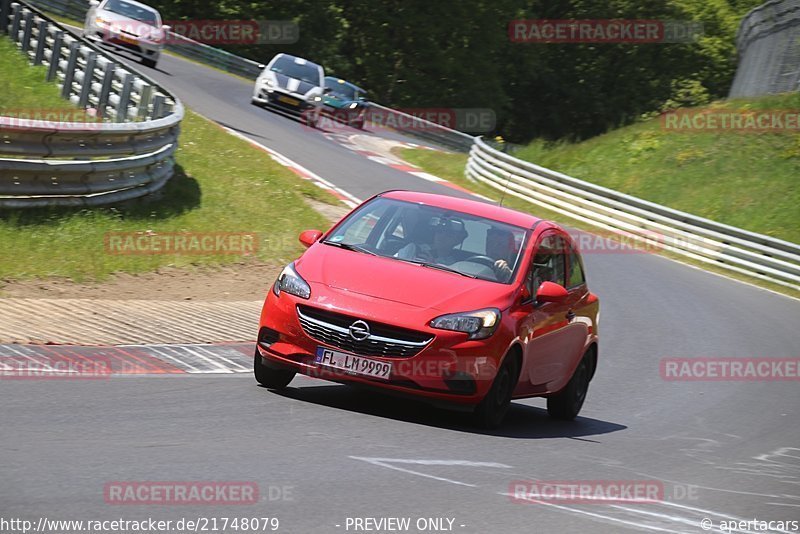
x=548, y=264
x=576, y=277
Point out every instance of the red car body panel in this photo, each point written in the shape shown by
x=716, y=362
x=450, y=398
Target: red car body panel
x=549, y=338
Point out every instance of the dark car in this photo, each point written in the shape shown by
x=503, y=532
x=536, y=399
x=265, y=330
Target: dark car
x=344, y=102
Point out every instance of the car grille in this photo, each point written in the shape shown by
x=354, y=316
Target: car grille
x=384, y=340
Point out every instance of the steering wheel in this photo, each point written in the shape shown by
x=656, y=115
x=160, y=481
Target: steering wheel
x=483, y=260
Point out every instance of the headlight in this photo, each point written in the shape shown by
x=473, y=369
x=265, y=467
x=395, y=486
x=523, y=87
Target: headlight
x=291, y=282
x=478, y=324
x=317, y=98
x=100, y=22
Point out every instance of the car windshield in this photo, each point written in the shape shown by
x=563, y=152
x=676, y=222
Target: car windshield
x=342, y=90
x=465, y=244
x=132, y=11
x=301, y=71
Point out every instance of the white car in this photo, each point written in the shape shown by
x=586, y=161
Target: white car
x=291, y=84
x=127, y=25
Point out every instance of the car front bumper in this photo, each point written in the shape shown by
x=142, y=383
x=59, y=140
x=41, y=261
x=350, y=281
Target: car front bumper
x=450, y=370
x=140, y=47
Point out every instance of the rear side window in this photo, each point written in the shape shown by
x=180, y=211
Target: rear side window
x=549, y=263
x=575, y=277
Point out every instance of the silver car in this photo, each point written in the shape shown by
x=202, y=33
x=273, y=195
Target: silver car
x=291, y=84
x=127, y=25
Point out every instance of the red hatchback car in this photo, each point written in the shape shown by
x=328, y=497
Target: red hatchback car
x=456, y=302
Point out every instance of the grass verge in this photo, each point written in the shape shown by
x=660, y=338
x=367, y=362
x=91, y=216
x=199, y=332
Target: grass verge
x=22, y=86
x=221, y=184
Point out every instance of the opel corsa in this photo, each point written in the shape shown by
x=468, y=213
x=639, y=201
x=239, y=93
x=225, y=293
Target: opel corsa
x=456, y=302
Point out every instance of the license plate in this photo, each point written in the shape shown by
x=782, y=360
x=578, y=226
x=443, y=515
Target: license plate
x=353, y=364
x=129, y=40
x=287, y=100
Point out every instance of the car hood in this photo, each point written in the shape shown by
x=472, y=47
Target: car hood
x=337, y=102
x=293, y=84
x=398, y=281
x=127, y=24
x=334, y=102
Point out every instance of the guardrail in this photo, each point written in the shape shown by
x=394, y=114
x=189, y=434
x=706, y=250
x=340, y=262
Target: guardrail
x=707, y=241
x=127, y=154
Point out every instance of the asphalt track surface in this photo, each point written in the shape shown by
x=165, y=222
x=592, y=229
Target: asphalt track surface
x=322, y=453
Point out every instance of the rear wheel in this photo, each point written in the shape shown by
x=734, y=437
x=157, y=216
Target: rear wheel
x=567, y=404
x=269, y=377
x=149, y=63
x=494, y=406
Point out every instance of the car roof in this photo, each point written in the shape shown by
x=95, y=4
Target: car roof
x=290, y=56
x=472, y=207
x=134, y=2
x=344, y=82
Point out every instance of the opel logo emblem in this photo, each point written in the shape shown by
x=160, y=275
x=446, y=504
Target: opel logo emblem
x=359, y=330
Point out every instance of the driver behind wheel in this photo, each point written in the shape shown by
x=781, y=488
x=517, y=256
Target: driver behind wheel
x=500, y=246
x=447, y=235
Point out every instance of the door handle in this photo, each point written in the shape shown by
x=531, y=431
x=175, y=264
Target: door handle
x=570, y=315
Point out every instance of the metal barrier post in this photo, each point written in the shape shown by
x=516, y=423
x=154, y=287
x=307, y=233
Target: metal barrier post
x=69, y=74
x=105, y=89
x=26, y=34
x=124, y=98
x=55, y=56
x=88, y=76
x=5, y=9
x=41, y=41
x=16, y=12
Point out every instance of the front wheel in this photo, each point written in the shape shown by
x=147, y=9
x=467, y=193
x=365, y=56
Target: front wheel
x=151, y=63
x=493, y=408
x=567, y=404
x=269, y=377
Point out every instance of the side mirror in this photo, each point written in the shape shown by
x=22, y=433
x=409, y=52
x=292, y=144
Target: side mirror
x=166, y=27
x=551, y=292
x=261, y=66
x=94, y=3
x=309, y=237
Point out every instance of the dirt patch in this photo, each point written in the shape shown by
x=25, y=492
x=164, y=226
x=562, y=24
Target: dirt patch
x=236, y=282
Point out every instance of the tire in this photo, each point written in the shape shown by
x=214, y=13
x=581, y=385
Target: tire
x=493, y=408
x=269, y=377
x=567, y=404
x=358, y=124
x=149, y=63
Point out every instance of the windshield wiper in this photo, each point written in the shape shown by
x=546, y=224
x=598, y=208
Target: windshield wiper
x=438, y=266
x=348, y=246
